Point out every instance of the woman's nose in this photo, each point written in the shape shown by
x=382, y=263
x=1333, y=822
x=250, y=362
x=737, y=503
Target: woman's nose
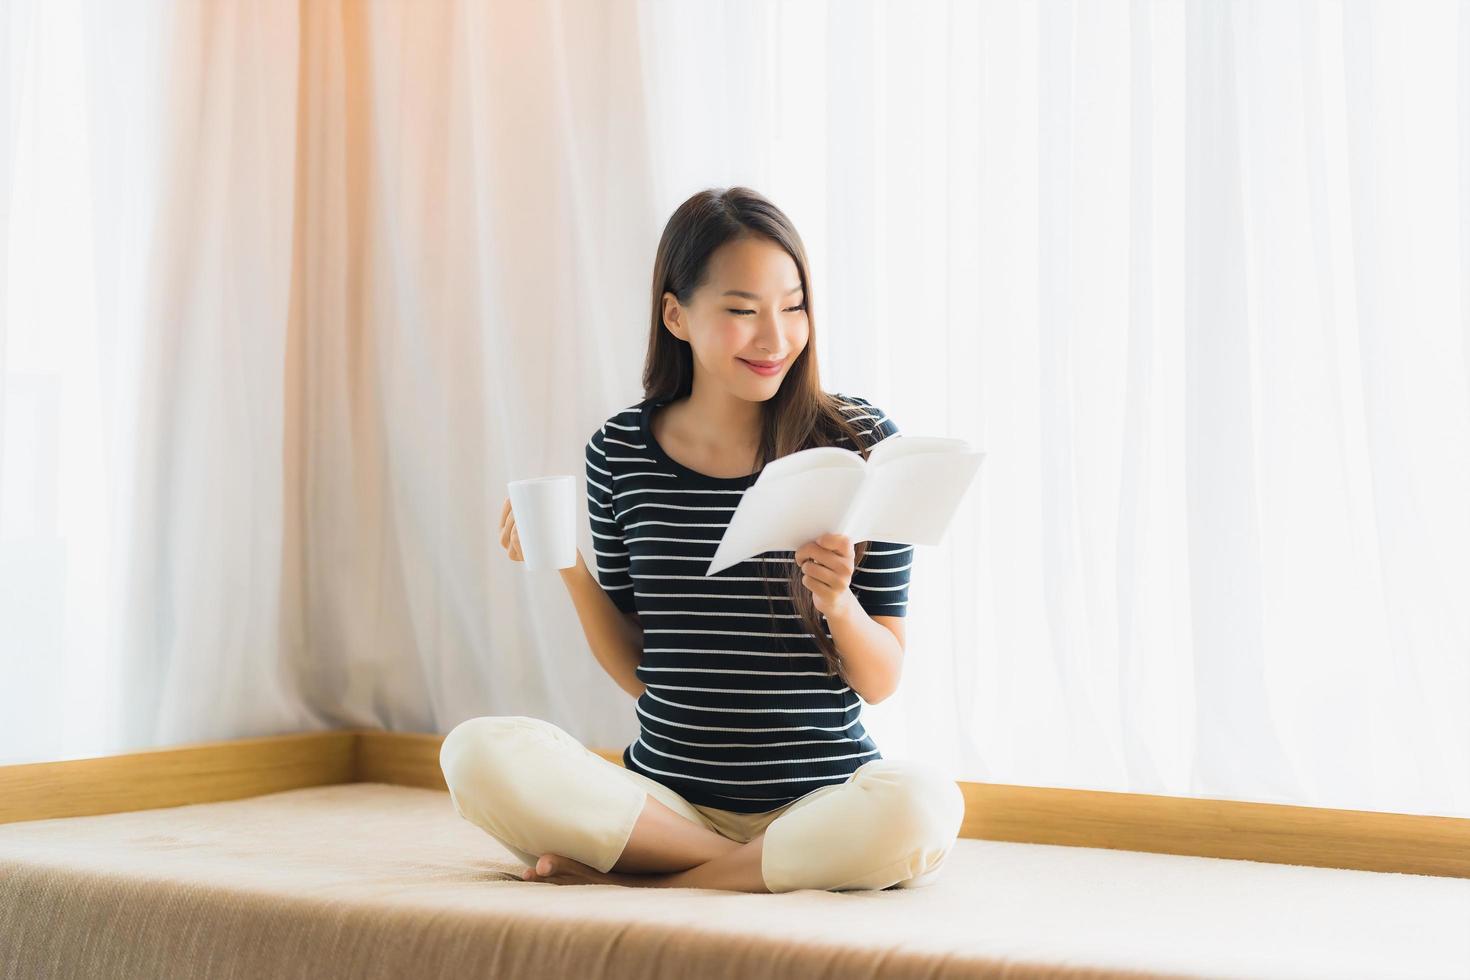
x=768, y=338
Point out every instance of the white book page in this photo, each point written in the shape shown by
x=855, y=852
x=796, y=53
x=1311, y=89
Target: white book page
x=796, y=498
x=907, y=491
x=820, y=457
x=911, y=494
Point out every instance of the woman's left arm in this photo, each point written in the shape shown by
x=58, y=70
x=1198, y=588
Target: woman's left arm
x=872, y=656
x=871, y=646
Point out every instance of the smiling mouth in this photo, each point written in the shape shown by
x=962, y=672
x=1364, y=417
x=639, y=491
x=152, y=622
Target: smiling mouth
x=763, y=364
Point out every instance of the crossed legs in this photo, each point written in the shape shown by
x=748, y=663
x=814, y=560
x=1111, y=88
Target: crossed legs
x=666, y=850
x=540, y=792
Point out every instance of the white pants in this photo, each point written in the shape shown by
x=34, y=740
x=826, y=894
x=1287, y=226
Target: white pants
x=537, y=790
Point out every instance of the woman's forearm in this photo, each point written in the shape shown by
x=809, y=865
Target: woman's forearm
x=871, y=655
x=616, y=641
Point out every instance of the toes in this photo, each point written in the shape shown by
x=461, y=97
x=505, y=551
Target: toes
x=546, y=867
x=559, y=870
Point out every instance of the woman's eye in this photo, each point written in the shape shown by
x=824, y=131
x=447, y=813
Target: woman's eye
x=789, y=309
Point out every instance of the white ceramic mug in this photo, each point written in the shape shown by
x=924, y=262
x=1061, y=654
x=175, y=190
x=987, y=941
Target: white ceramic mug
x=545, y=509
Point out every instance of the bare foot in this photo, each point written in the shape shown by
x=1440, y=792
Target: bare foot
x=556, y=869
x=737, y=870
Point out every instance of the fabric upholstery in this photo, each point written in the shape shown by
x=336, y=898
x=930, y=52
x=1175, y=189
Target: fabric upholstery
x=372, y=880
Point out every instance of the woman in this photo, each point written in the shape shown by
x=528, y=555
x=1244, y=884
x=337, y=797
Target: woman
x=752, y=770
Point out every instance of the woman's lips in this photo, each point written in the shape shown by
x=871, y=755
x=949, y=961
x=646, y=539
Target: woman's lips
x=763, y=368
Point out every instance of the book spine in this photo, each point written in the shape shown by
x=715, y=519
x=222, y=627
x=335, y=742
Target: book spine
x=852, y=514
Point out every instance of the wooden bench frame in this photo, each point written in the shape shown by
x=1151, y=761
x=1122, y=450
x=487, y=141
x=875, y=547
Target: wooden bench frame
x=1364, y=840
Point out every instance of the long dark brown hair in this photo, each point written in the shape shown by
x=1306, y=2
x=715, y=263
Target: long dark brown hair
x=800, y=415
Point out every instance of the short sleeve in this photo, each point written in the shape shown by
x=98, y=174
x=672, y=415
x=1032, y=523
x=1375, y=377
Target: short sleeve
x=881, y=581
x=610, y=553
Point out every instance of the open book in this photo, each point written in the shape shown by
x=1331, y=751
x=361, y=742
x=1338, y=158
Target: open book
x=906, y=491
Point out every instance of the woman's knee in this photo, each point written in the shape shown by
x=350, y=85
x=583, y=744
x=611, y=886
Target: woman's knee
x=922, y=807
x=478, y=750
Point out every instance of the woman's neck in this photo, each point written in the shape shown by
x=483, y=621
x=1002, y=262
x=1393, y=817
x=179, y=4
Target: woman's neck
x=719, y=421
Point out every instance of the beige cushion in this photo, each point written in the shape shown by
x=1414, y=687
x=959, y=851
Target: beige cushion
x=372, y=880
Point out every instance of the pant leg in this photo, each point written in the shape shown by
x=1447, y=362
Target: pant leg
x=537, y=790
x=892, y=823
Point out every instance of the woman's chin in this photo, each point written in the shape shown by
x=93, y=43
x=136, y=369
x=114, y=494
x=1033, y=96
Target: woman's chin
x=764, y=388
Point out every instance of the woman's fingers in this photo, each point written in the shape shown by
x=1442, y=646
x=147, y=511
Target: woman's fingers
x=510, y=540
x=821, y=574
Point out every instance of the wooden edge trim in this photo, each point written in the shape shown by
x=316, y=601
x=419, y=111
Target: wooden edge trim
x=402, y=758
x=203, y=772
x=1363, y=840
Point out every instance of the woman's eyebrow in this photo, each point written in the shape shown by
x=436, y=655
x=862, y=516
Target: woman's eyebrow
x=739, y=292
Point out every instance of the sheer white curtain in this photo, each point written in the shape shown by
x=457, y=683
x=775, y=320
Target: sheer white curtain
x=148, y=173
x=291, y=290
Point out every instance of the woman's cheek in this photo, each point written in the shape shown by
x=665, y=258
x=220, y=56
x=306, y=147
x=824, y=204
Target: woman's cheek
x=800, y=334
x=732, y=333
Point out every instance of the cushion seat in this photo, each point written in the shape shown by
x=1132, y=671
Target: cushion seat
x=377, y=880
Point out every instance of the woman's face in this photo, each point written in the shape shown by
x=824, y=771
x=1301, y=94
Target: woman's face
x=726, y=329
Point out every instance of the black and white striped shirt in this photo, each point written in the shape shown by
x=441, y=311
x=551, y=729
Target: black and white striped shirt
x=738, y=712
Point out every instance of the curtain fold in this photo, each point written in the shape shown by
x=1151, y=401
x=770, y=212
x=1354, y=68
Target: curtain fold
x=291, y=290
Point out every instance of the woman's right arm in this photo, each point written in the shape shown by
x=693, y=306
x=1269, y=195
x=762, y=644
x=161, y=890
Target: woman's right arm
x=616, y=637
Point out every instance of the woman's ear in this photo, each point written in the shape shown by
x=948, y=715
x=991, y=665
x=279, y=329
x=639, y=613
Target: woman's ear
x=674, y=317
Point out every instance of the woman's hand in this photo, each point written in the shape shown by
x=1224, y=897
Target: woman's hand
x=827, y=563
x=509, y=539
